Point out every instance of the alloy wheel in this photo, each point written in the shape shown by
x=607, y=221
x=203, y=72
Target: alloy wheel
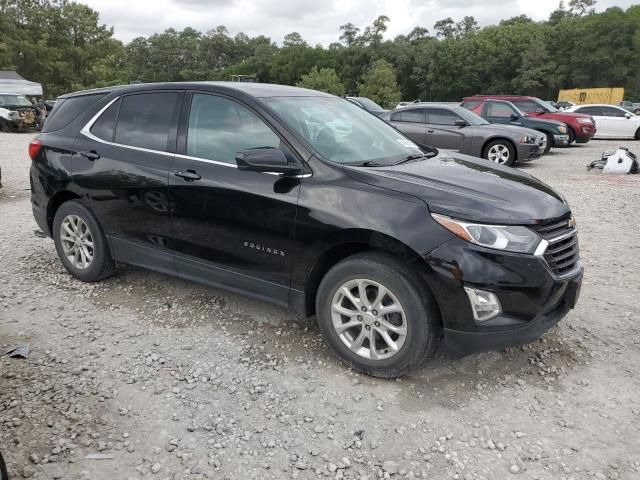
x=499, y=153
x=369, y=319
x=77, y=241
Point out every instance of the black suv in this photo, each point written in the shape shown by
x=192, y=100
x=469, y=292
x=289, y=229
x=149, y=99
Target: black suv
x=303, y=199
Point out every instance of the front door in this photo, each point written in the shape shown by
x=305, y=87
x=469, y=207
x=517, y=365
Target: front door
x=122, y=168
x=442, y=131
x=501, y=112
x=231, y=227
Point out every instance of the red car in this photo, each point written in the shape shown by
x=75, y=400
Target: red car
x=581, y=127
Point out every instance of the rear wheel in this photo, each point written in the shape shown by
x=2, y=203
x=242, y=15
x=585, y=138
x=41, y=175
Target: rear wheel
x=549, y=143
x=80, y=243
x=638, y=134
x=374, y=313
x=500, y=151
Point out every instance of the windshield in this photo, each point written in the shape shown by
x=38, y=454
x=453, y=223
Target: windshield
x=470, y=117
x=546, y=105
x=368, y=103
x=14, y=100
x=342, y=132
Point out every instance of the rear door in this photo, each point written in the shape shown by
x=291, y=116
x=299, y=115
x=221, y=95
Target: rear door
x=442, y=131
x=231, y=227
x=411, y=122
x=122, y=169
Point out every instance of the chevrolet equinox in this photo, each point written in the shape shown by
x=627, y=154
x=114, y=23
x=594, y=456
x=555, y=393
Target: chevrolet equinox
x=302, y=199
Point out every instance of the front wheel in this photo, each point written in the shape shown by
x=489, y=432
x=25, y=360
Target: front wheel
x=500, y=151
x=572, y=135
x=638, y=134
x=376, y=315
x=549, y=143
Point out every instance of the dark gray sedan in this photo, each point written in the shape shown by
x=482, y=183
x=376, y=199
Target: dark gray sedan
x=453, y=127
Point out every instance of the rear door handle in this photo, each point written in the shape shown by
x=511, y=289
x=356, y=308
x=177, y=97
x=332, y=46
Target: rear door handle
x=188, y=175
x=90, y=155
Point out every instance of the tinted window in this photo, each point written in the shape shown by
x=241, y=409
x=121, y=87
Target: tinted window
x=220, y=128
x=471, y=104
x=613, y=112
x=144, y=120
x=67, y=109
x=499, y=110
x=105, y=126
x=527, y=106
x=440, y=116
x=597, y=111
x=415, y=115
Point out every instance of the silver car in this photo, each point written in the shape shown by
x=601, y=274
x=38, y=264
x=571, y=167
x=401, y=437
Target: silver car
x=453, y=127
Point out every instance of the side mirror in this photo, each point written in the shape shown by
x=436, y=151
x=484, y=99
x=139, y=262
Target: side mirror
x=514, y=117
x=540, y=110
x=461, y=123
x=627, y=115
x=265, y=159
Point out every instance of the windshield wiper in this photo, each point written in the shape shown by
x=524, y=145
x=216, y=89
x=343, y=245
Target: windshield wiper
x=415, y=156
x=367, y=163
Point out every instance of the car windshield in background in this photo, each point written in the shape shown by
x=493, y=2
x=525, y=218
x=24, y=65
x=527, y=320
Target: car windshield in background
x=547, y=106
x=368, y=103
x=20, y=100
x=342, y=132
x=470, y=117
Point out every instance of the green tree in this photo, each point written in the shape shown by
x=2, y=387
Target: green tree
x=380, y=85
x=324, y=79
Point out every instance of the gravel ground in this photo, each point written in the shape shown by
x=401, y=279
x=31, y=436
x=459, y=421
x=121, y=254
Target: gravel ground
x=174, y=380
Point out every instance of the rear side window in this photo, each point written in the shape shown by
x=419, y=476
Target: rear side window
x=220, y=128
x=67, y=109
x=145, y=119
x=415, y=115
x=440, y=116
x=105, y=126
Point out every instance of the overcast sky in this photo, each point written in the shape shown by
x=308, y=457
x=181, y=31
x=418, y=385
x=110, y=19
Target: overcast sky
x=316, y=20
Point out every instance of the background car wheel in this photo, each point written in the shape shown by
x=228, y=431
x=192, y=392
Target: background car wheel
x=572, y=135
x=637, y=112
x=500, y=151
x=377, y=315
x=80, y=243
x=549, y=143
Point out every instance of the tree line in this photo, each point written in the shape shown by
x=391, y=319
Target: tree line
x=62, y=45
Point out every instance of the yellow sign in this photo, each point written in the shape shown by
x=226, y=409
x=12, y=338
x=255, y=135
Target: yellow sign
x=580, y=96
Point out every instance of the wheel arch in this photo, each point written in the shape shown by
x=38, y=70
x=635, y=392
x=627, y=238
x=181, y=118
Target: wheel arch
x=505, y=139
x=354, y=242
x=54, y=204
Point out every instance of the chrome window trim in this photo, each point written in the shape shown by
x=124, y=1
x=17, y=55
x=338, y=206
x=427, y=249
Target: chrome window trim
x=86, y=131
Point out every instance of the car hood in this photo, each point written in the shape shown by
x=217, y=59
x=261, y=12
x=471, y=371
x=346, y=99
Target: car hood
x=513, y=131
x=544, y=121
x=565, y=116
x=469, y=188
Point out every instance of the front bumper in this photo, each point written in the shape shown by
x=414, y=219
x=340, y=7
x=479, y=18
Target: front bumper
x=533, y=299
x=585, y=133
x=561, y=140
x=527, y=152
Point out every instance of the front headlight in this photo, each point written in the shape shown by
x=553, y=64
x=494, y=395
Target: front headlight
x=562, y=129
x=511, y=238
x=584, y=120
x=528, y=139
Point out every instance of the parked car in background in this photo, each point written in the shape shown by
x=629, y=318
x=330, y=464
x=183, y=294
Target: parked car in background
x=453, y=127
x=581, y=127
x=563, y=105
x=17, y=113
x=630, y=106
x=502, y=111
x=368, y=104
x=392, y=248
x=611, y=121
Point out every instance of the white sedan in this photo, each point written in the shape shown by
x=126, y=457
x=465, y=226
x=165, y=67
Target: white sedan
x=611, y=121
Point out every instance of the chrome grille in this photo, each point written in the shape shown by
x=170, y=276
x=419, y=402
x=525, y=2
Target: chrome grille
x=562, y=253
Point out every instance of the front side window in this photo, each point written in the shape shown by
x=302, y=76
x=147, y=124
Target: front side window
x=219, y=128
x=596, y=111
x=145, y=119
x=341, y=132
x=613, y=112
x=414, y=115
x=499, y=110
x=527, y=106
x=440, y=116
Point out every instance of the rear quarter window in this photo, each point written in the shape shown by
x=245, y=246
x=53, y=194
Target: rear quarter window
x=67, y=109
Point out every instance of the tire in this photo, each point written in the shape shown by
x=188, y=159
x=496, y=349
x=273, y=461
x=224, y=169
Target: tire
x=504, y=151
x=637, y=112
x=638, y=134
x=73, y=220
x=572, y=135
x=419, y=315
x=549, y=143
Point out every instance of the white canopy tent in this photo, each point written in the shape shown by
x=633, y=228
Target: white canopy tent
x=11, y=82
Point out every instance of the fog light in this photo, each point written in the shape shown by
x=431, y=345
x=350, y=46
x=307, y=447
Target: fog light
x=485, y=305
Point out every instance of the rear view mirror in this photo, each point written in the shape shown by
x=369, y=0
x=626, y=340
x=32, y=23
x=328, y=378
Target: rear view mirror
x=461, y=123
x=266, y=159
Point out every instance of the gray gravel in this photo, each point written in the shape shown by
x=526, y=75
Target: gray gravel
x=171, y=380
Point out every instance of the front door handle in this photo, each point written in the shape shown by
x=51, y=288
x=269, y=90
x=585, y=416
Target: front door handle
x=90, y=155
x=188, y=175
x=430, y=131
